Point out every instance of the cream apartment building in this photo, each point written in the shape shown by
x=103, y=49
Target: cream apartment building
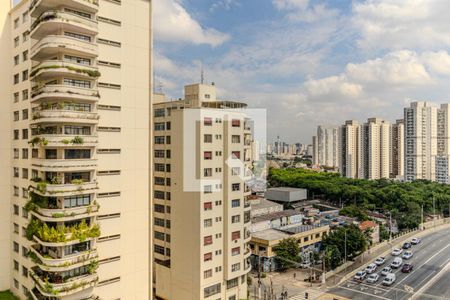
x=349, y=140
x=75, y=149
x=326, y=146
x=202, y=149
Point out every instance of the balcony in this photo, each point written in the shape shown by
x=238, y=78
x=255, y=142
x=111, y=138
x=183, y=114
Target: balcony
x=49, y=262
x=64, y=116
x=49, y=69
x=64, y=140
x=53, y=45
x=47, y=189
x=62, y=92
x=64, y=165
x=37, y=7
x=66, y=214
x=82, y=284
x=52, y=22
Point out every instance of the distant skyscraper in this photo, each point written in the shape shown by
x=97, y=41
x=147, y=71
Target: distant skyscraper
x=349, y=138
x=397, y=152
x=326, y=146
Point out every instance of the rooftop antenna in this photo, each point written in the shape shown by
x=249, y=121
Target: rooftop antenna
x=160, y=87
x=202, y=75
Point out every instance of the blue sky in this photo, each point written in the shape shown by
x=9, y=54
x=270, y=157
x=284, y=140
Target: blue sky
x=307, y=62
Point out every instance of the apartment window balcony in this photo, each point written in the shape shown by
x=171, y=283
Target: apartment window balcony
x=52, y=45
x=37, y=7
x=61, y=90
x=52, y=21
x=57, y=187
x=49, y=69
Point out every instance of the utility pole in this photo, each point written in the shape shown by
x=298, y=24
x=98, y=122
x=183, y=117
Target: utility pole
x=345, y=249
x=390, y=227
x=434, y=213
x=421, y=218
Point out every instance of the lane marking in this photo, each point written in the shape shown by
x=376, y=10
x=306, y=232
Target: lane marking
x=366, y=294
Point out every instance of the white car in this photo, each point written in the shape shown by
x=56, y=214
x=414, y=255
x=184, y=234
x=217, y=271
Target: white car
x=360, y=275
x=396, y=263
x=371, y=268
x=380, y=260
x=396, y=252
x=407, y=255
x=373, y=278
x=415, y=241
x=386, y=270
x=389, y=279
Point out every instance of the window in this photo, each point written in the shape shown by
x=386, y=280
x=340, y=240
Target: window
x=78, y=83
x=235, y=267
x=16, y=228
x=24, y=134
x=16, y=172
x=16, y=209
x=168, y=125
x=160, y=167
x=159, y=153
x=235, y=219
x=235, y=235
x=24, y=95
x=160, y=181
x=16, y=23
x=218, y=269
x=207, y=172
x=109, y=42
x=158, y=194
x=159, y=249
x=25, y=17
x=77, y=153
x=236, y=154
x=160, y=126
x=207, y=155
x=212, y=290
x=24, y=193
x=235, y=171
x=16, y=267
x=24, y=75
x=159, y=112
x=207, y=273
x=207, y=223
x=24, y=173
x=207, y=256
x=78, y=13
x=16, y=153
x=235, y=139
x=235, y=187
x=77, y=130
x=25, y=114
x=159, y=140
x=16, y=115
x=16, y=97
x=207, y=240
x=76, y=201
x=207, y=121
x=24, y=271
x=159, y=208
x=218, y=153
x=159, y=222
x=77, y=60
x=159, y=236
x=218, y=219
x=167, y=153
x=16, y=134
x=236, y=123
x=16, y=191
x=16, y=78
x=207, y=189
x=207, y=206
x=16, y=41
x=16, y=60
x=207, y=138
x=218, y=170
x=16, y=247
x=219, y=202
x=25, y=37
x=78, y=36
x=233, y=282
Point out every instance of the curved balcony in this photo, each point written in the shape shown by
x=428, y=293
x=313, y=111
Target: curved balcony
x=48, y=263
x=64, y=140
x=64, y=165
x=51, y=22
x=83, y=285
x=63, y=91
x=65, y=214
x=49, y=69
x=47, y=189
x=64, y=116
x=52, y=45
x=37, y=7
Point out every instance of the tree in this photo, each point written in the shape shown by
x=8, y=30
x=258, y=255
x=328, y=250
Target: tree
x=354, y=212
x=287, y=253
x=384, y=233
x=333, y=257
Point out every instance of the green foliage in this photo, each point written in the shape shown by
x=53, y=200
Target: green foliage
x=354, y=212
x=80, y=231
x=348, y=238
x=332, y=256
x=38, y=141
x=384, y=233
x=287, y=252
x=34, y=257
x=90, y=73
x=36, y=201
x=77, y=181
x=92, y=266
x=58, y=215
x=41, y=186
x=77, y=140
x=403, y=199
x=32, y=228
x=7, y=295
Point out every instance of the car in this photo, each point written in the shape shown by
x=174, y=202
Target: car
x=415, y=241
x=407, y=255
x=380, y=260
x=371, y=268
x=406, y=245
x=396, y=251
x=373, y=278
x=396, y=263
x=386, y=270
x=407, y=268
x=360, y=275
x=389, y=279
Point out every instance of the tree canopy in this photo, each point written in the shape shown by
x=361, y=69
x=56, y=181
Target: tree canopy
x=287, y=252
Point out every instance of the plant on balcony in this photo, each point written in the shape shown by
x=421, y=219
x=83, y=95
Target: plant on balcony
x=36, y=201
x=92, y=266
x=38, y=141
x=77, y=140
x=36, y=116
x=58, y=215
x=48, y=288
x=34, y=258
x=32, y=228
x=90, y=73
x=77, y=181
x=65, y=141
x=41, y=186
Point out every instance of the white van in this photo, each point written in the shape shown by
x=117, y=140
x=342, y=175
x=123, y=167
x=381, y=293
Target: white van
x=396, y=263
x=389, y=279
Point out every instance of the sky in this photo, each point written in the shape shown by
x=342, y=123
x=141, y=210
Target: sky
x=307, y=62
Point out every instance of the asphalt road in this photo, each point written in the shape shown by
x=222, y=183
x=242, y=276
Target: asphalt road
x=430, y=256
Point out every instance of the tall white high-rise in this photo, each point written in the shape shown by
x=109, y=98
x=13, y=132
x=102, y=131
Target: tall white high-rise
x=349, y=139
x=397, y=153
x=75, y=152
x=326, y=146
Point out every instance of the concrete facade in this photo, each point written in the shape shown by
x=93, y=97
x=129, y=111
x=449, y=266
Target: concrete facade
x=286, y=194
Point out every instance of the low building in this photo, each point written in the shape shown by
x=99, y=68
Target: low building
x=375, y=230
x=261, y=206
x=276, y=220
x=286, y=195
x=263, y=242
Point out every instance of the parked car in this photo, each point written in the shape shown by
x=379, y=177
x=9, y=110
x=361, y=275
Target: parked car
x=407, y=268
x=396, y=251
x=371, y=268
x=389, y=279
x=407, y=255
x=360, y=275
x=386, y=270
x=415, y=241
x=380, y=260
x=406, y=245
x=396, y=263
x=373, y=278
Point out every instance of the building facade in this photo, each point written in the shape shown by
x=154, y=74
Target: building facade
x=201, y=211
x=397, y=149
x=326, y=146
x=76, y=149
x=349, y=139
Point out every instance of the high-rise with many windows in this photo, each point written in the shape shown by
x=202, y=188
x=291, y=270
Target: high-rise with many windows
x=202, y=151
x=397, y=152
x=75, y=152
x=349, y=139
x=326, y=146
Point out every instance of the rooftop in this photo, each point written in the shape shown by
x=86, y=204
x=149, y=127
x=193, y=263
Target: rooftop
x=263, y=203
x=367, y=224
x=270, y=235
x=275, y=215
x=293, y=229
x=286, y=189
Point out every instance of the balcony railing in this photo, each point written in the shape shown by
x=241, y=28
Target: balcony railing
x=38, y=6
x=57, y=67
x=65, y=214
x=49, y=189
x=63, y=140
x=61, y=165
x=41, y=116
x=54, y=44
x=84, y=25
x=48, y=263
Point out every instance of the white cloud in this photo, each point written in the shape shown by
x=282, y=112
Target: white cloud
x=304, y=11
x=172, y=23
x=402, y=24
x=223, y=4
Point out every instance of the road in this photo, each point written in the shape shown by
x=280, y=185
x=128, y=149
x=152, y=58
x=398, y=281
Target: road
x=430, y=257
